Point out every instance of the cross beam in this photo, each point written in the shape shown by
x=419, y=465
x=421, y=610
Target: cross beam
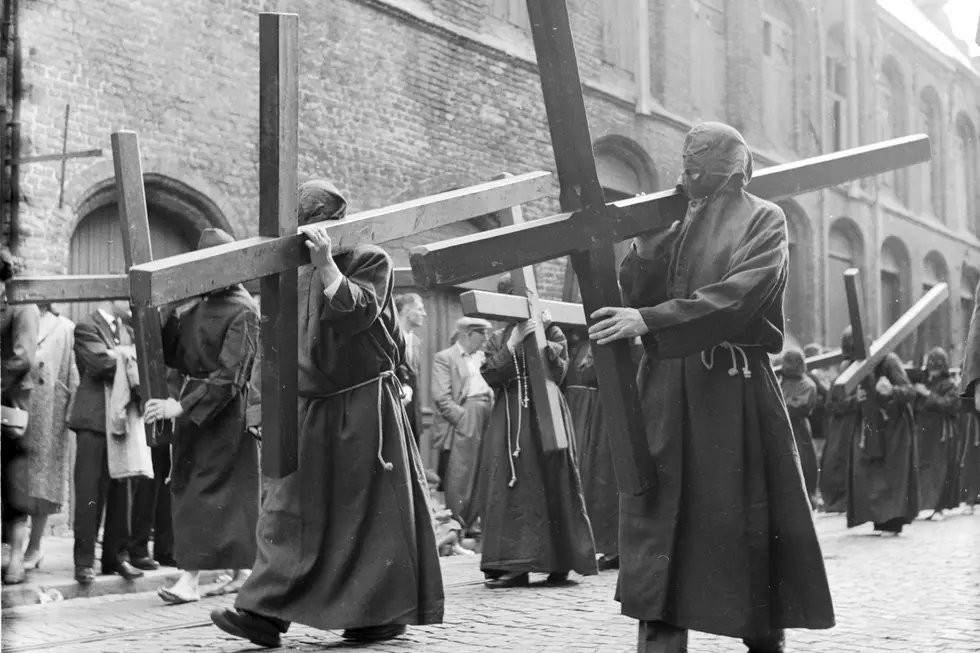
x=67, y=288
x=508, y=308
x=820, y=361
x=475, y=256
x=890, y=339
x=195, y=273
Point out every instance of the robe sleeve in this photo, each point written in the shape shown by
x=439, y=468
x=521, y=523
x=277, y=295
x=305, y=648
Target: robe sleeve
x=586, y=369
x=24, y=326
x=802, y=398
x=721, y=311
x=362, y=293
x=944, y=398
x=253, y=411
x=92, y=354
x=643, y=281
x=971, y=357
x=902, y=390
x=556, y=352
x=498, y=367
x=203, y=399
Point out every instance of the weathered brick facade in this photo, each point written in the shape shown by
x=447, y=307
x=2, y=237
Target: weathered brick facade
x=402, y=98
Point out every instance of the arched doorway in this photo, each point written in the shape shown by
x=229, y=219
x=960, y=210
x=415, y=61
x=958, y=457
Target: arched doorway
x=798, y=309
x=968, y=288
x=176, y=216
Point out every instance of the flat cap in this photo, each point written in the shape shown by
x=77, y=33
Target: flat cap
x=472, y=324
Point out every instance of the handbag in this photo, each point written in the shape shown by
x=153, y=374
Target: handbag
x=14, y=421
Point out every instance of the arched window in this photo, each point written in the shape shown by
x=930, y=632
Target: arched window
x=891, y=122
x=778, y=61
x=935, y=331
x=708, y=59
x=836, y=78
x=511, y=11
x=968, y=288
x=966, y=176
x=895, y=286
x=844, y=252
x=930, y=173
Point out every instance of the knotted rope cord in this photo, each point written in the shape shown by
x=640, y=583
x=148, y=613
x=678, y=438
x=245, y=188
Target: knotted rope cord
x=708, y=359
x=522, y=401
x=387, y=374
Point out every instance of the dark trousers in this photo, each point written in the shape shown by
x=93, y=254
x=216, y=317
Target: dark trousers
x=95, y=492
x=152, y=512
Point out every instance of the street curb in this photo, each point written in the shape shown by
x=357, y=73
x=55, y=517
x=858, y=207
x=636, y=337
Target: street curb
x=15, y=596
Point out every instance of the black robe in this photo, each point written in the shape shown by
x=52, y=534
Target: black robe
x=843, y=419
x=592, y=452
x=214, y=479
x=886, y=489
x=534, y=517
x=345, y=542
x=725, y=542
x=937, y=432
x=969, y=459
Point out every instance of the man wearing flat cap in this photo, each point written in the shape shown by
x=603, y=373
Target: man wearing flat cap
x=463, y=403
x=214, y=481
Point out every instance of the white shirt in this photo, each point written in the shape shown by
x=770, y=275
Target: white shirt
x=111, y=320
x=476, y=386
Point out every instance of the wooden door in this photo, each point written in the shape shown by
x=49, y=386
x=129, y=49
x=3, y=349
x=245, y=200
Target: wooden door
x=96, y=247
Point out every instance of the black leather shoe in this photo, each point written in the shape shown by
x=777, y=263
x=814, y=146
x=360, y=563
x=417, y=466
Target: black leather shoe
x=374, y=633
x=557, y=578
x=84, y=575
x=124, y=569
x=605, y=563
x=246, y=625
x=146, y=564
x=167, y=561
x=510, y=579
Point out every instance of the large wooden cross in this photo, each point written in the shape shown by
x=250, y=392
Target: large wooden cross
x=864, y=365
x=551, y=424
x=588, y=227
x=279, y=250
x=135, y=228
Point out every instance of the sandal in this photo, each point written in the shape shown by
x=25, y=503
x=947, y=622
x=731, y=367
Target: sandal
x=169, y=596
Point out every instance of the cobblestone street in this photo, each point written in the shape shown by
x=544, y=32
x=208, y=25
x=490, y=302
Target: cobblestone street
x=916, y=593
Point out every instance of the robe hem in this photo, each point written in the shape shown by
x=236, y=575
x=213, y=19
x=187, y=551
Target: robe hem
x=700, y=626
x=433, y=617
x=532, y=567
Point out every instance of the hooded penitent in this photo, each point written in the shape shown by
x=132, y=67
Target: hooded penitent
x=320, y=200
x=711, y=295
x=937, y=436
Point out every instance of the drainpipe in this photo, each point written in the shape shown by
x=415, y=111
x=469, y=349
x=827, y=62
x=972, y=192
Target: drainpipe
x=816, y=257
x=11, y=125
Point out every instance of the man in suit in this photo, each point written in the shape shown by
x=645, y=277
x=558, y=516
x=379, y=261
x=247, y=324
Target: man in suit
x=463, y=404
x=95, y=337
x=411, y=315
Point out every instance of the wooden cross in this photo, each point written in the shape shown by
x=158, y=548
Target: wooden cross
x=905, y=326
x=63, y=157
x=873, y=423
x=820, y=361
x=275, y=255
x=135, y=227
x=588, y=227
x=551, y=424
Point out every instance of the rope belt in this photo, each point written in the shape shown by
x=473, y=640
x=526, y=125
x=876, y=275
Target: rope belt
x=708, y=359
x=173, y=425
x=387, y=374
